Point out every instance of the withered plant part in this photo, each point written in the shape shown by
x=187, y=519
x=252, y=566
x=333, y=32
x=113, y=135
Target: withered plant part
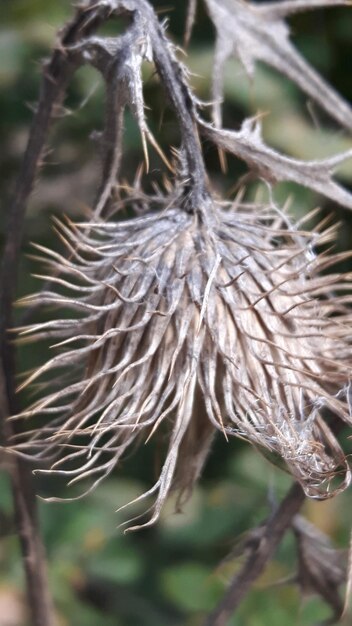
x=200, y=321
x=255, y=32
x=199, y=315
x=273, y=167
x=322, y=569
x=258, y=547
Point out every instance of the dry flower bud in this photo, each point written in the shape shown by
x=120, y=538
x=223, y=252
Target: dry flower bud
x=192, y=323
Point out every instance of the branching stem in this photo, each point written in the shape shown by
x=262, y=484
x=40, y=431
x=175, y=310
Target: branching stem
x=259, y=556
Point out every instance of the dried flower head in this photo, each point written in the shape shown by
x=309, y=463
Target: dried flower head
x=202, y=315
x=193, y=323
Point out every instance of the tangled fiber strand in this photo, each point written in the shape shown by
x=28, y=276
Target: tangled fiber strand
x=194, y=323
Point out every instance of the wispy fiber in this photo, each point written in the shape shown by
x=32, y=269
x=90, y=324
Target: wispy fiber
x=193, y=323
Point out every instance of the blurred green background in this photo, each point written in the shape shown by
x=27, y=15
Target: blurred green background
x=173, y=573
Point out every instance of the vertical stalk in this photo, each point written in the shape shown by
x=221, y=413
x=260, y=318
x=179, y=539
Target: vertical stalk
x=56, y=75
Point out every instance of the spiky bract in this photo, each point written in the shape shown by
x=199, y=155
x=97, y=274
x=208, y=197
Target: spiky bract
x=192, y=323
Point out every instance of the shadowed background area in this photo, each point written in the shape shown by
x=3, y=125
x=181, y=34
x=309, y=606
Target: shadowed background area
x=174, y=573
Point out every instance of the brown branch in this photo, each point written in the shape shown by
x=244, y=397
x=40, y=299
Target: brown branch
x=56, y=76
x=181, y=101
x=261, y=553
x=171, y=76
x=26, y=519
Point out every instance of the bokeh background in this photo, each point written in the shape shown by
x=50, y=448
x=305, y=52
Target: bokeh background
x=174, y=573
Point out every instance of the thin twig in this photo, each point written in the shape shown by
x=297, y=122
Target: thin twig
x=275, y=529
x=39, y=599
x=56, y=76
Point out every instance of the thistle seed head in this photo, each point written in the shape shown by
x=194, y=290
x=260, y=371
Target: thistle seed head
x=195, y=323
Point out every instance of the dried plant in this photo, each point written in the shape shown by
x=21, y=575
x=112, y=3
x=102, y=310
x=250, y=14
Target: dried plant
x=198, y=315
x=258, y=33
x=216, y=319
x=321, y=567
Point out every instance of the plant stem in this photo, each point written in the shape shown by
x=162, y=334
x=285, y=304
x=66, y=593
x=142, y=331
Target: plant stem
x=26, y=518
x=56, y=76
x=275, y=529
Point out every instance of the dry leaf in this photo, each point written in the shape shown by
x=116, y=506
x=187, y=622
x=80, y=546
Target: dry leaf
x=253, y=33
x=321, y=567
x=247, y=144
